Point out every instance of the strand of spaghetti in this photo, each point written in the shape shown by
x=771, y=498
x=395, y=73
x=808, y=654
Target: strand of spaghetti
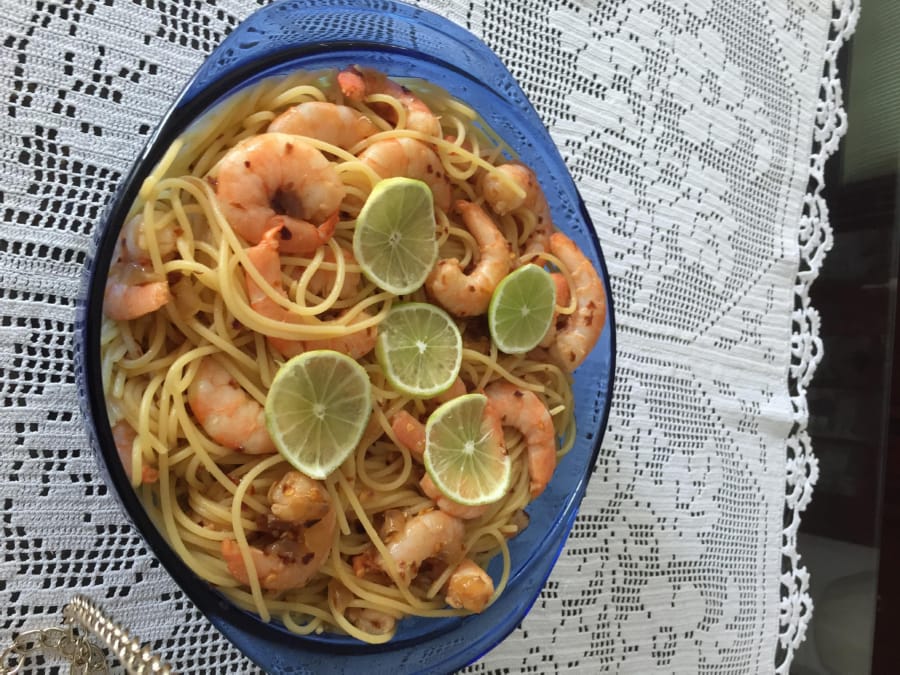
x=241, y=537
x=379, y=479
x=343, y=525
x=298, y=94
x=568, y=435
x=371, y=638
x=363, y=518
x=167, y=504
x=307, y=330
x=157, y=361
x=392, y=598
x=391, y=101
x=340, y=272
x=308, y=628
x=482, y=163
x=211, y=510
x=198, y=441
x=494, y=368
x=160, y=169
x=219, y=343
x=131, y=344
x=152, y=352
x=192, y=465
x=561, y=267
x=145, y=434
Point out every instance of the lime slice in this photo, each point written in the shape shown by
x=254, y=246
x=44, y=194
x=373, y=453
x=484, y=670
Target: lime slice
x=395, y=241
x=316, y=410
x=464, y=452
x=419, y=348
x=521, y=309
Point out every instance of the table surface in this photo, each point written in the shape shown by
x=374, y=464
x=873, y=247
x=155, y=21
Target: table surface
x=697, y=133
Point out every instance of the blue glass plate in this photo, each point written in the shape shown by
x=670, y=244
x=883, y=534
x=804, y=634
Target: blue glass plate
x=403, y=41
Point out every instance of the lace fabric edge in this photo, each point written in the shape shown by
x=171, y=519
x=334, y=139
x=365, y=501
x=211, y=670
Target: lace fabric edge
x=815, y=240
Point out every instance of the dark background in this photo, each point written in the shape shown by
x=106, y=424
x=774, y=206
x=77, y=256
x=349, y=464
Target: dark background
x=850, y=534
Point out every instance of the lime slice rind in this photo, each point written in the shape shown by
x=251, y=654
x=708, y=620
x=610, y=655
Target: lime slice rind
x=317, y=409
x=395, y=240
x=521, y=309
x=462, y=456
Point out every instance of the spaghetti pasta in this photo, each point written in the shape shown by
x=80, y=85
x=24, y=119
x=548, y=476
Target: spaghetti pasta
x=194, y=301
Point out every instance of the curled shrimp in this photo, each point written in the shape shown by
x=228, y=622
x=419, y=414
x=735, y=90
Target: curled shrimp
x=357, y=83
x=581, y=330
x=134, y=239
x=265, y=258
x=298, y=537
x=124, y=436
x=469, y=587
x=523, y=410
x=497, y=187
x=470, y=294
x=410, y=158
x=432, y=534
x=563, y=297
x=338, y=125
x=279, y=180
x=133, y=289
x=367, y=619
x=410, y=432
x=371, y=621
x=226, y=412
x=447, y=505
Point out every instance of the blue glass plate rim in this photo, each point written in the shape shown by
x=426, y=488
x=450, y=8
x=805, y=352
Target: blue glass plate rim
x=251, y=635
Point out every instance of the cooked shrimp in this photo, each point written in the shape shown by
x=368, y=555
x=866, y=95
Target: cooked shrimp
x=433, y=534
x=410, y=432
x=503, y=199
x=469, y=587
x=523, y=410
x=124, y=436
x=265, y=258
x=226, y=412
x=370, y=620
x=367, y=619
x=563, y=297
x=470, y=294
x=357, y=83
x=338, y=125
x=134, y=239
x=447, y=505
x=457, y=389
x=301, y=532
x=274, y=180
x=410, y=158
x=355, y=345
x=133, y=289
x=580, y=332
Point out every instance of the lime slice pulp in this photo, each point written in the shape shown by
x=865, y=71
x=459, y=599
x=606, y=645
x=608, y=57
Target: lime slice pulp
x=419, y=349
x=317, y=409
x=465, y=454
x=521, y=309
x=395, y=241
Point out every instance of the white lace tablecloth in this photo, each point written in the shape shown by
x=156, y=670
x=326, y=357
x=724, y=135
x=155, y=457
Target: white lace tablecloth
x=697, y=132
